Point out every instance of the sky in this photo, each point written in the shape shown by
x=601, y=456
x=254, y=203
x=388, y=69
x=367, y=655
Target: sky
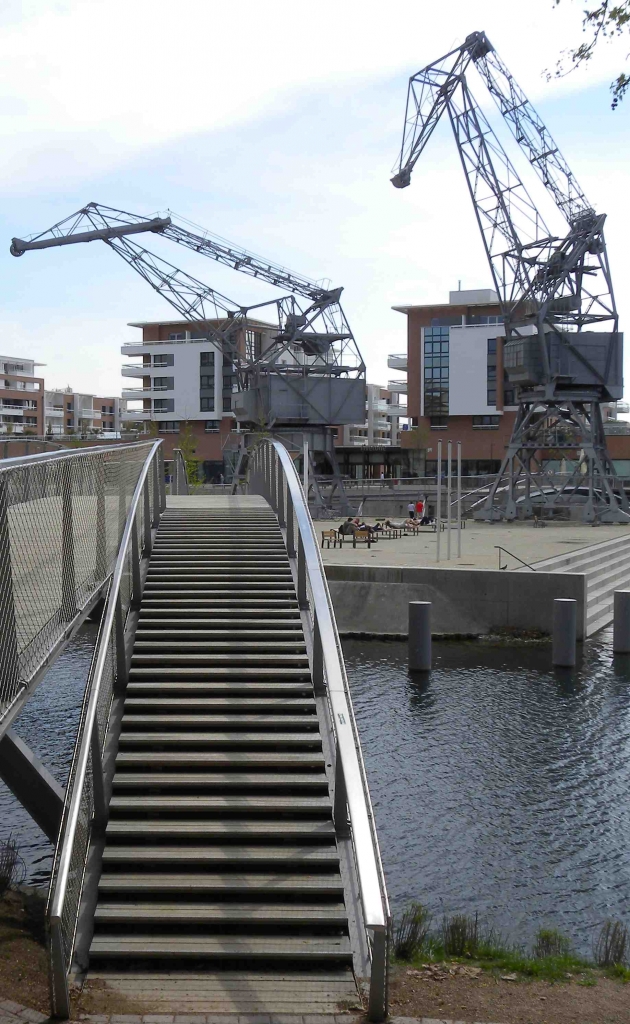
x=275, y=125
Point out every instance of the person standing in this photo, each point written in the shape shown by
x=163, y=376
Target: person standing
x=411, y=510
x=419, y=508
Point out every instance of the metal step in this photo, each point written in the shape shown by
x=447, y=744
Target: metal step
x=181, y=704
x=183, y=855
x=259, y=882
x=266, y=829
x=299, y=948
x=219, y=739
x=236, y=722
x=185, y=913
x=220, y=780
x=198, y=804
x=223, y=758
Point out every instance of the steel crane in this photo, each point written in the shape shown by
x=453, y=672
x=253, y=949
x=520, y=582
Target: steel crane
x=562, y=347
x=309, y=373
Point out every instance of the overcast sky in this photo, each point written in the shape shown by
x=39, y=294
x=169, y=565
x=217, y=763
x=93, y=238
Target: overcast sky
x=275, y=125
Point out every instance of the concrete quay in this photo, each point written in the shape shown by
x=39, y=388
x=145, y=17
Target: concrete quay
x=371, y=587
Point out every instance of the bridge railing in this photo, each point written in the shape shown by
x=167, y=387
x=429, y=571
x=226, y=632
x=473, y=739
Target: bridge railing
x=179, y=478
x=272, y=474
x=62, y=516
x=85, y=806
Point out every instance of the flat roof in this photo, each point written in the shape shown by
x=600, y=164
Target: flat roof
x=444, y=305
x=188, y=324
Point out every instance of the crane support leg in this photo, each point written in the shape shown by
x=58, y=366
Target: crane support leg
x=32, y=784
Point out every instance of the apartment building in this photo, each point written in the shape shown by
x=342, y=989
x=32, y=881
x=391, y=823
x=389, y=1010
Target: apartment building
x=72, y=412
x=457, y=388
x=186, y=388
x=22, y=397
x=384, y=411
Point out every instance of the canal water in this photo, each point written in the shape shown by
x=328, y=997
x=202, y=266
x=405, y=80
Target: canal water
x=500, y=786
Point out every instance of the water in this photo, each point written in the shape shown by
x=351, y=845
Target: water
x=48, y=723
x=500, y=785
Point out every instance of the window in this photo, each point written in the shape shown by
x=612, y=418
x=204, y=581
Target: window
x=253, y=345
x=227, y=403
x=206, y=358
x=164, y=360
x=436, y=373
x=212, y=426
x=168, y=426
x=206, y=380
x=69, y=407
x=476, y=321
x=111, y=410
x=509, y=393
x=206, y=404
x=163, y=383
x=446, y=321
x=438, y=422
x=491, y=398
x=179, y=336
x=487, y=422
x=163, y=404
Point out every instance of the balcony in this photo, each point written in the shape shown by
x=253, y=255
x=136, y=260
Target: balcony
x=397, y=387
x=15, y=410
x=398, y=361
x=136, y=394
x=398, y=410
x=136, y=414
x=135, y=370
x=378, y=405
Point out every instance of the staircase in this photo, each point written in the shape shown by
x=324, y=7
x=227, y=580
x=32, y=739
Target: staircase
x=606, y=567
x=221, y=887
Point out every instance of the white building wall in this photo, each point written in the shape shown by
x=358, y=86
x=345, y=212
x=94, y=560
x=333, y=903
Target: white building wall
x=468, y=370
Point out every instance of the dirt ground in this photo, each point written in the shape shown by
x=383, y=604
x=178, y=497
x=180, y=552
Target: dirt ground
x=23, y=967
x=486, y=997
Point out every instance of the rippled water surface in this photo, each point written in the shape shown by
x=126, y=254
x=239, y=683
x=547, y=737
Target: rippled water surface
x=499, y=785
x=48, y=723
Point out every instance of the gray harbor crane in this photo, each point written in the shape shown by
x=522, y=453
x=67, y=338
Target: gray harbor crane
x=307, y=378
x=562, y=347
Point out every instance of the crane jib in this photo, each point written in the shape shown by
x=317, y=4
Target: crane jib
x=19, y=246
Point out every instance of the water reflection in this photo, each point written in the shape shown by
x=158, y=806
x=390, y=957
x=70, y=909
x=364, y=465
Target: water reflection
x=499, y=784
x=48, y=723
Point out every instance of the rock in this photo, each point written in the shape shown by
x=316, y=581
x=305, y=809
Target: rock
x=509, y=977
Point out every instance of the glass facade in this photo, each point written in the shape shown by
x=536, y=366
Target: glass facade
x=436, y=355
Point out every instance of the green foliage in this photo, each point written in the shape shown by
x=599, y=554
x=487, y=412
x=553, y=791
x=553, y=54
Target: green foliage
x=604, y=20
x=550, y=942
x=411, y=932
x=612, y=946
x=460, y=935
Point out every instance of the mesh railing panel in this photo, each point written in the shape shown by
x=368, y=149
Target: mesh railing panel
x=61, y=521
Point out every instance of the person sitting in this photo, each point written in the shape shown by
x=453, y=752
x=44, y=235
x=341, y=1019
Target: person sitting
x=347, y=529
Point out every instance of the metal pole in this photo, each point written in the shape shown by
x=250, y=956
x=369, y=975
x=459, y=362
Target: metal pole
x=156, y=493
x=340, y=805
x=621, y=625
x=301, y=575
x=459, y=499
x=438, y=502
x=419, y=643
x=68, y=579
x=290, y=526
x=449, y=492
x=306, y=469
x=146, y=515
x=564, y=631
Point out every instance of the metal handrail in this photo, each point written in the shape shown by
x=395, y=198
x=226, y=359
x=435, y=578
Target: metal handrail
x=512, y=555
x=89, y=743
x=179, y=480
x=351, y=800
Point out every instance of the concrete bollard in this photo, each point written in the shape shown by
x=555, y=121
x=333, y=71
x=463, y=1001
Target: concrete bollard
x=564, y=631
x=419, y=636
x=621, y=622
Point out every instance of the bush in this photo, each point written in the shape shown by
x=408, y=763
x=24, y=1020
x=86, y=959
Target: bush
x=12, y=866
x=612, y=945
x=460, y=935
x=411, y=932
x=551, y=942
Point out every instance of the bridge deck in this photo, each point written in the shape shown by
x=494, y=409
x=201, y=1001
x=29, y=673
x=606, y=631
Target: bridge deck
x=223, y=888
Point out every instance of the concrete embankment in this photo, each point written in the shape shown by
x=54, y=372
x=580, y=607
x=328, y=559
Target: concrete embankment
x=375, y=599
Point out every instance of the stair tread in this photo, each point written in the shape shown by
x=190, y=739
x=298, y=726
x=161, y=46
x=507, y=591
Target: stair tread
x=185, y=912
x=235, y=779
x=192, y=829
x=271, y=721
x=207, y=854
x=210, y=738
x=230, y=882
x=221, y=757
x=140, y=945
x=219, y=801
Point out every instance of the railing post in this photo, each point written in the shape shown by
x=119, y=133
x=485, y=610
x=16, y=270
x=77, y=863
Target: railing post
x=146, y=547
x=136, y=582
x=301, y=575
x=119, y=640
x=290, y=526
x=68, y=581
x=162, y=479
x=60, y=995
x=101, y=528
x=318, y=659
x=156, y=494
x=280, y=489
x=273, y=480
x=378, y=975
x=340, y=806
x=98, y=782
x=9, y=665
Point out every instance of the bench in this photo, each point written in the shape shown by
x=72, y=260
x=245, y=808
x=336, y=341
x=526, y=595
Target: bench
x=331, y=535
x=363, y=536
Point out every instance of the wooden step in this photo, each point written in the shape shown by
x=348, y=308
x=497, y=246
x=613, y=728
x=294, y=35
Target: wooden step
x=181, y=855
x=205, y=882
x=202, y=804
x=220, y=780
x=265, y=948
x=184, y=913
x=219, y=739
x=222, y=758
x=282, y=827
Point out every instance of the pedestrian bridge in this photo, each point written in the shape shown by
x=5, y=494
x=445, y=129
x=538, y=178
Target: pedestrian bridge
x=215, y=848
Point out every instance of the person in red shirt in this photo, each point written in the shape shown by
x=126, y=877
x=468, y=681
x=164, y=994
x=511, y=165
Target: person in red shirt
x=419, y=509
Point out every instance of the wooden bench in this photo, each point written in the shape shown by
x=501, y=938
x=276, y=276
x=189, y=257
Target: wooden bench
x=331, y=535
x=364, y=537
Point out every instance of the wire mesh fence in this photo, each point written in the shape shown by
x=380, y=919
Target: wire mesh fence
x=62, y=516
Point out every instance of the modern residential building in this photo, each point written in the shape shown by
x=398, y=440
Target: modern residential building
x=72, y=412
x=22, y=398
x=186, y=388
x=456, y=386
x=383, y=413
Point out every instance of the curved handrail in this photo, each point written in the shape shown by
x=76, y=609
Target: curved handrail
x=87, y=745
x=327, y=646
x=66, y=453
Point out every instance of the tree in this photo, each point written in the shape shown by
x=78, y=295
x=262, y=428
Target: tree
x=188, y=448
x=605, y=20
